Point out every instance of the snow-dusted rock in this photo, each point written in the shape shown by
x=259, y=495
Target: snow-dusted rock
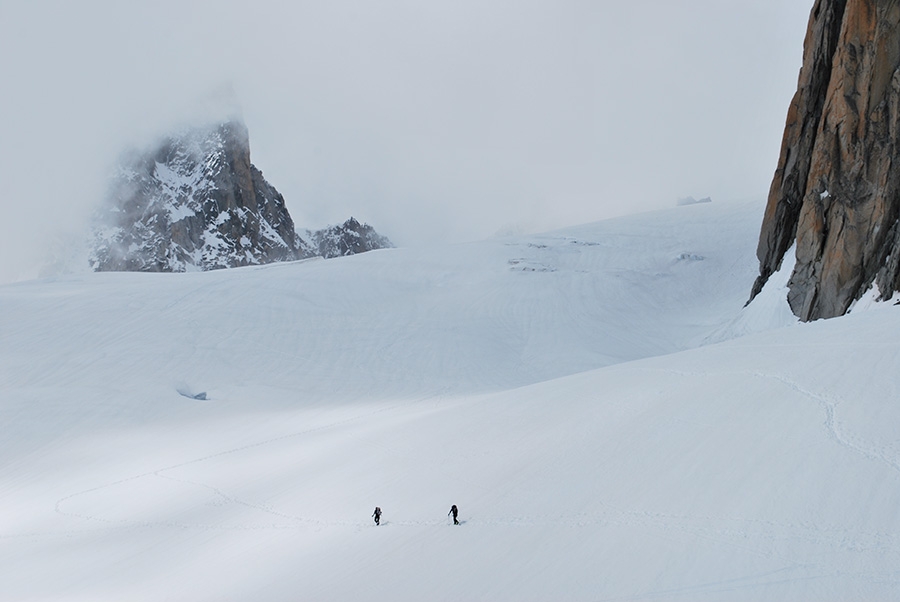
x=196, y=202
x=349, y=238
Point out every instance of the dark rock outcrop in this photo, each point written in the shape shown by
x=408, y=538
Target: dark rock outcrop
x=196, y=202
x=836, y=191
x=349, y=238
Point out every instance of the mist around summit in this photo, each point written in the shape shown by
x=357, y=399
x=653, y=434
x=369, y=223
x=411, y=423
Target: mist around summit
x=480, y=117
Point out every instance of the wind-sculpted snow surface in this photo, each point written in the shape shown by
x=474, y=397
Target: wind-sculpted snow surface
x=546, y=385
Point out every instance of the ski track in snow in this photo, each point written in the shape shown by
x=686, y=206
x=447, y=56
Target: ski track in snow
x=829, y=404
x=717, y=530
x=720, y=530
x=158, y=473
x=739, y=528
x=832, y=425
x=485, y=332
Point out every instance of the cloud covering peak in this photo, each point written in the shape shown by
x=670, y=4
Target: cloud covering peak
x=478, y=115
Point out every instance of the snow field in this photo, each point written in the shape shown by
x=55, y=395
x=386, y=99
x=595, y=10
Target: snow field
x=546, y=385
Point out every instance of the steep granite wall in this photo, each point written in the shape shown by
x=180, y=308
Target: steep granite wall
x=836, y=191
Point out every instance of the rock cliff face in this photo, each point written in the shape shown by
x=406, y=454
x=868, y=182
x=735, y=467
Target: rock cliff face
x=836, y=191
x=196, y=202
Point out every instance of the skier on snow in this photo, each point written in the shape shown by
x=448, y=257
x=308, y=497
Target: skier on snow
x=454, y=511
x=377, y=515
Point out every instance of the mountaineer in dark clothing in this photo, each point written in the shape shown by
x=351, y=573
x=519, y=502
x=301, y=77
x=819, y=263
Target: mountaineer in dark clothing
x=377, y=515
x=455, y=512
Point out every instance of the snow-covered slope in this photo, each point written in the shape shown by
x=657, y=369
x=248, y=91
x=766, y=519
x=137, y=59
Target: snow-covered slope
x=551, y=386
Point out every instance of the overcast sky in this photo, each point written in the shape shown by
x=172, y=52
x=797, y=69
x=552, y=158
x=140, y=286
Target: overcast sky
x=432, y=120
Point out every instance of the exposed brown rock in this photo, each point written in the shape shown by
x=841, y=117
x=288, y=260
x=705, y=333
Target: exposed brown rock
x=836, y=190
x=786, y=194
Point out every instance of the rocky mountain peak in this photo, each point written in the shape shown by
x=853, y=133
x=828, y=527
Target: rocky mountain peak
x=836, y=191
x=349, y=238
x=195, y=201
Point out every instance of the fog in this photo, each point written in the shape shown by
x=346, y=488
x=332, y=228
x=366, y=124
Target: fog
x=436, y=121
